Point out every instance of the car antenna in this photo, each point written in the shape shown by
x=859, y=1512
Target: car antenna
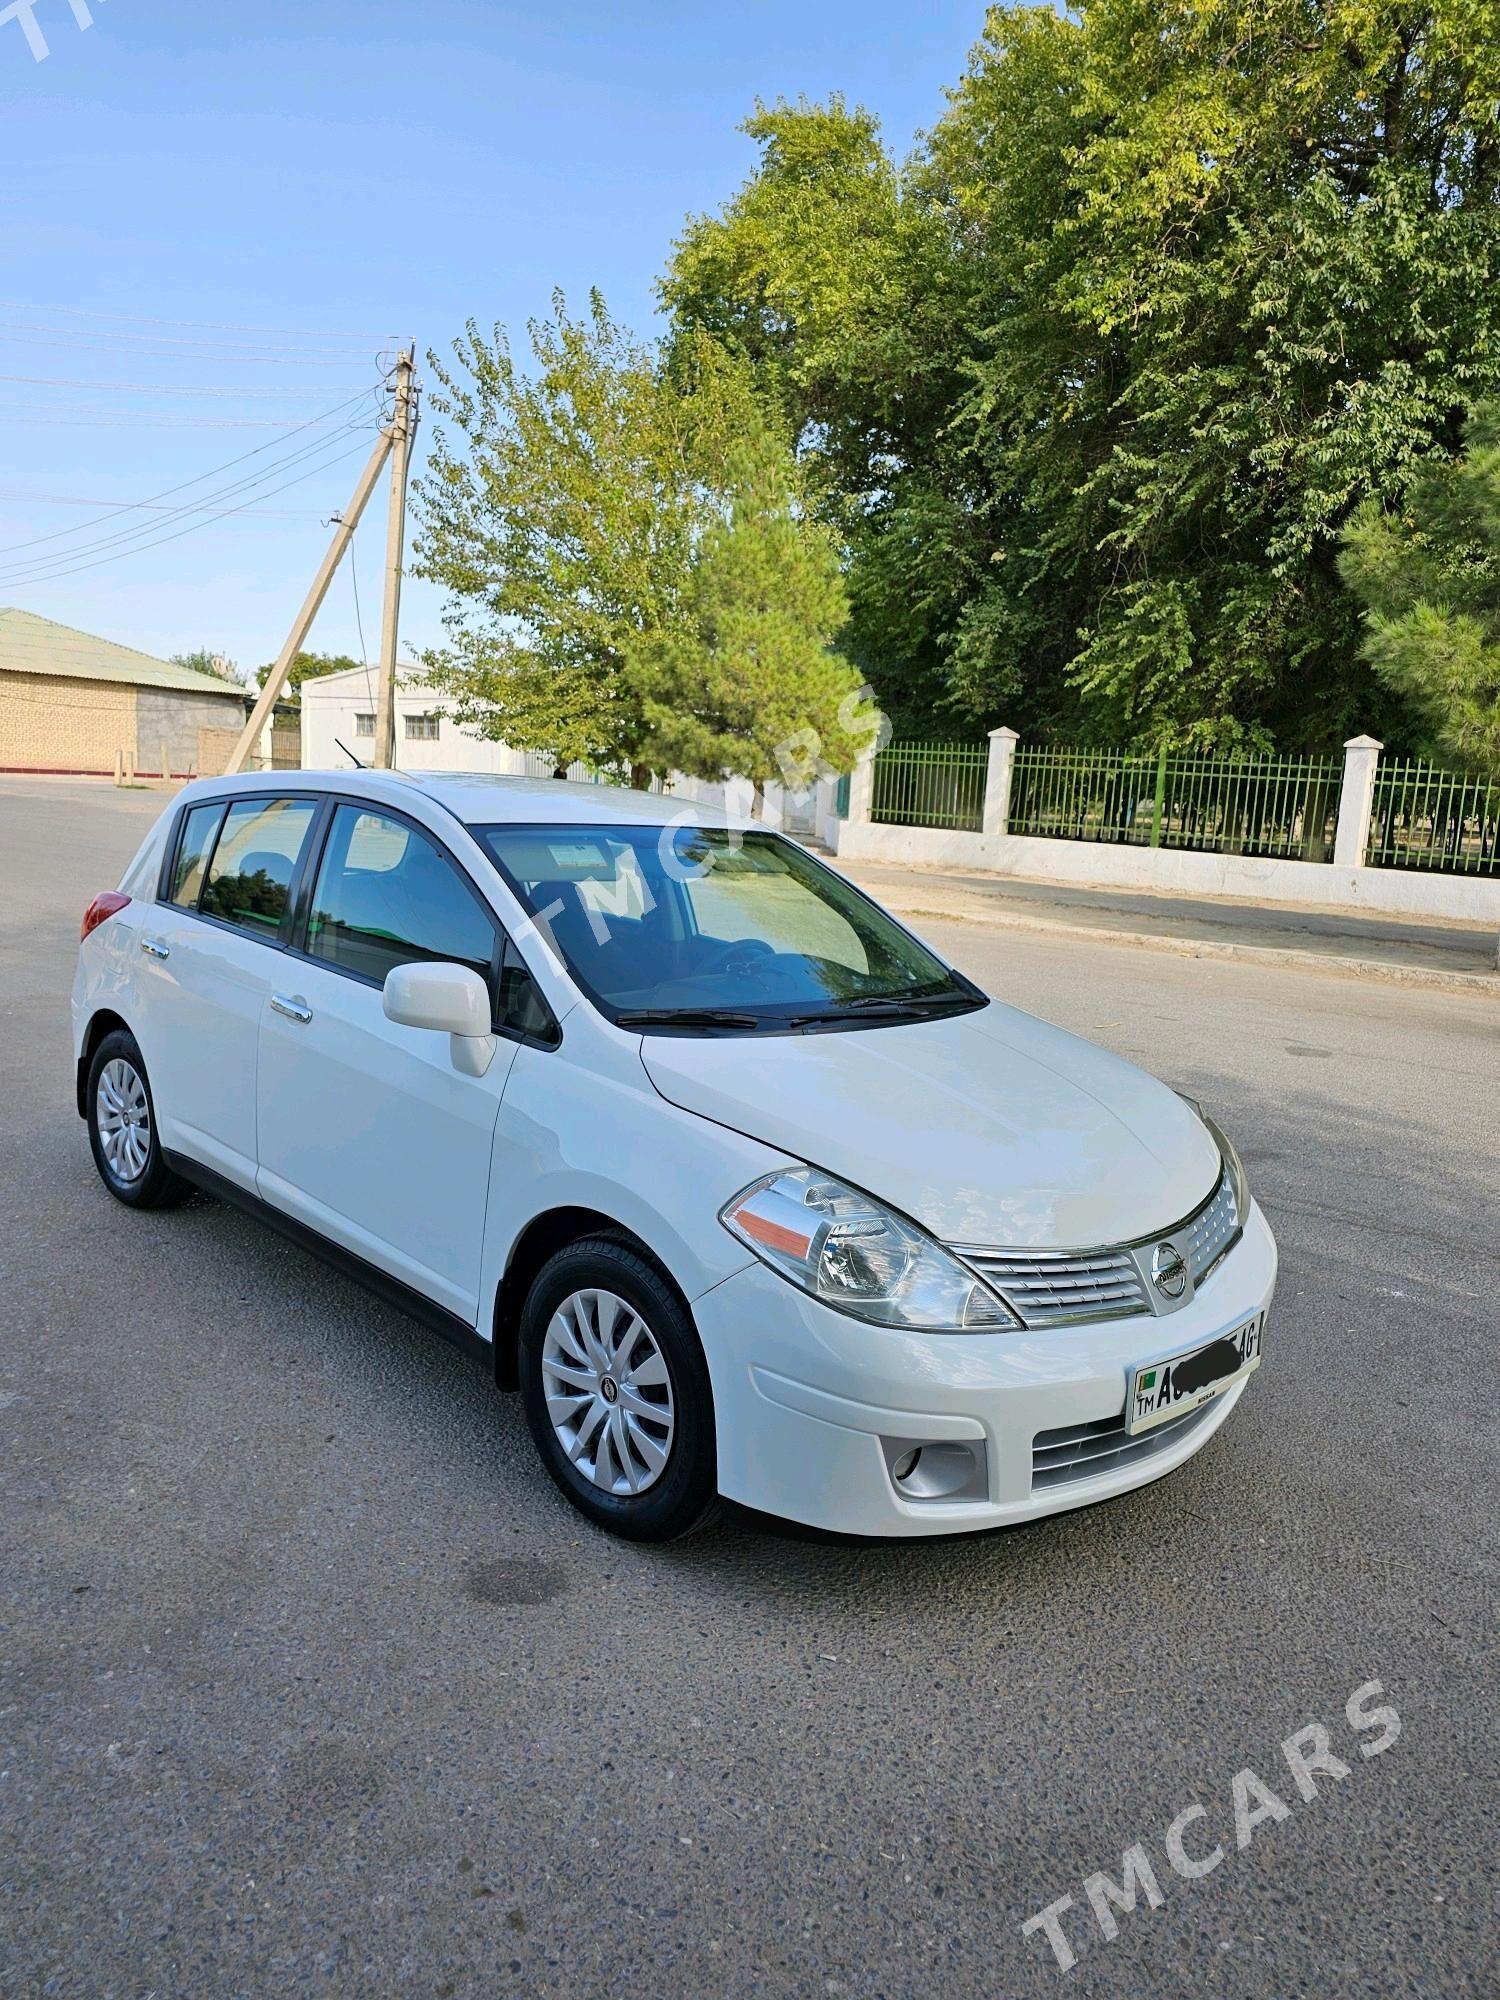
x=355, y=761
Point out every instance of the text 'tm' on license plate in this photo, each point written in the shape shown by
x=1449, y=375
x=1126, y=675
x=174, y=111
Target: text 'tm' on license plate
x=1158, y=1390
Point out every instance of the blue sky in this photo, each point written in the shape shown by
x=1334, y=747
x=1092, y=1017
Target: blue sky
x=346, y=170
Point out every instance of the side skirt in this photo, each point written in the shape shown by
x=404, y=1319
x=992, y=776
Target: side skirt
x=453, y=1329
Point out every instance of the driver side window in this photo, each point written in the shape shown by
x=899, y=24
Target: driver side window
x=386, y=895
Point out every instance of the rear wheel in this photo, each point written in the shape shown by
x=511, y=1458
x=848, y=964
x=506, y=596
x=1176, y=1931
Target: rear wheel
x=122, y=1128
x=617, y=1393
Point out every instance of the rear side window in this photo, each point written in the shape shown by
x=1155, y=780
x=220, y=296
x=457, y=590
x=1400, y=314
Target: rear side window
x=251, y=873
x=387, y=895
x=193, y=850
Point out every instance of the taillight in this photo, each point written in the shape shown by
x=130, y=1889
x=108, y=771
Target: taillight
x=105, y=904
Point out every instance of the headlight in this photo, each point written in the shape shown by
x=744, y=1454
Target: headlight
x=850, y=1252
x=1234, y=1166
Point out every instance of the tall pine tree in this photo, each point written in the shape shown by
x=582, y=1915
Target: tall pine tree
x=745, y=681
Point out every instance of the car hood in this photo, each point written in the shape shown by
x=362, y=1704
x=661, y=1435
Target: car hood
x=992, y=1128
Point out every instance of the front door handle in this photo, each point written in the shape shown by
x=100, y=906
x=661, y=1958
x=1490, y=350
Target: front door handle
x=295, y=1010
x=156, y=948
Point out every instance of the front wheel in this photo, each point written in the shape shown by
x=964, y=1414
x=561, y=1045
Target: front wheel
x=122, y=1128
x=617, y=1394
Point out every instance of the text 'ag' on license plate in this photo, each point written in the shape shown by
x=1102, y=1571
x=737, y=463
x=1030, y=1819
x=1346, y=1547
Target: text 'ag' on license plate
x=1156, y=1391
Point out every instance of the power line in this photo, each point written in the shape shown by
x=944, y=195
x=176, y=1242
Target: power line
x=129, y=346
x=156, y=388
x=120, y=555
x=167, y=491
x=108, y=419
x=35, y=566
x=248, y=484
x=208, y=325
x=128, y=540
x=29, y=499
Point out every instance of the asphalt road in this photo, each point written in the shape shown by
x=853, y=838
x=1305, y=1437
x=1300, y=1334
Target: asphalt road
x=311, y=1684
x=1421, y=944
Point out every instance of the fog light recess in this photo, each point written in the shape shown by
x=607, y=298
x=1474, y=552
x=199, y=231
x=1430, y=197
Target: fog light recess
x=943, y=1469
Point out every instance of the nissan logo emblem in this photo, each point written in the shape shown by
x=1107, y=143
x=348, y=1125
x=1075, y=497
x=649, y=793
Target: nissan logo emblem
x=1168, y=1271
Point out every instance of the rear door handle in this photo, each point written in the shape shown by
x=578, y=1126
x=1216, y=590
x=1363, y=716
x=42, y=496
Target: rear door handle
x=295, y=1010
x=156, y=948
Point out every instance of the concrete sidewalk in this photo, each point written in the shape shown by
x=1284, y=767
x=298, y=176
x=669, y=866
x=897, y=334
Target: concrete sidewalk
x=1407, y=951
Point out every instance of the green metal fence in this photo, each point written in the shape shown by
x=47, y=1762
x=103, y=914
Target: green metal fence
x=1083, y=795
x=931, y=784
x=1423, y=817
x=1281, y=806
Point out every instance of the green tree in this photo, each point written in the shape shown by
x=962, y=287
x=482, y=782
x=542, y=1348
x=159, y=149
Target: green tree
x=1428, y=576
x=307, y=667
x=1095, y=382
x=563, y=513
x=744, y=680
x=841, y=290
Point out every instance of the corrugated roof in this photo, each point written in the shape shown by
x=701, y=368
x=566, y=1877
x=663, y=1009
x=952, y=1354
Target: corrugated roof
x=32, y=645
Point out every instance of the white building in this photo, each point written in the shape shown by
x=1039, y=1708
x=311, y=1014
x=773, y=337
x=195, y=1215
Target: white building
x=339, y=709
x=338, y=722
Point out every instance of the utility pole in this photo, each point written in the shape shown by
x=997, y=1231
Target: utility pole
x=395, y=438
x=261, y=714
x=403, y=430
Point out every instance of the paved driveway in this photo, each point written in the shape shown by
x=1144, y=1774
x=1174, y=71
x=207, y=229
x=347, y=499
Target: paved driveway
x=311, y=1684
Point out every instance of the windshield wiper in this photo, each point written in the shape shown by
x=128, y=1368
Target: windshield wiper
x=685, y=1017
x=886, y=1006
x=916, y=998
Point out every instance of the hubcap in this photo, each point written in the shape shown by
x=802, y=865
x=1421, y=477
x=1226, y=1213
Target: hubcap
x=124, y=1117
x=608, y=1392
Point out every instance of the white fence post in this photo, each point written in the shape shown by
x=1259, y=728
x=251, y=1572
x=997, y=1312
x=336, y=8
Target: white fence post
x=861, y=792
x=997, y=778
x=1356, y=801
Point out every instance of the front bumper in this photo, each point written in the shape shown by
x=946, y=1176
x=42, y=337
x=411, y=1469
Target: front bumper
x=804, y=1396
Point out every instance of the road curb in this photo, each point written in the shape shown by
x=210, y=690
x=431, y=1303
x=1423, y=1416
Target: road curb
x=1433, y=978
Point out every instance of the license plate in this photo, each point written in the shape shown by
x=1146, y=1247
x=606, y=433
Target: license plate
x=1157, y=1391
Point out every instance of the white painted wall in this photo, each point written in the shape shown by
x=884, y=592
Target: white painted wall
x=332, y=705
x=1175, y=871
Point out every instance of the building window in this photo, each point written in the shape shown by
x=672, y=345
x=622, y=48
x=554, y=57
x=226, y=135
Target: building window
x=422, y=728
x=364, y=725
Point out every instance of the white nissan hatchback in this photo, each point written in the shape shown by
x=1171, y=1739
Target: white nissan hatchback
x=745, y=1189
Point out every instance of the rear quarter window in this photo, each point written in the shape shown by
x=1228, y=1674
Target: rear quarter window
x=193, y=849
x=250, y=876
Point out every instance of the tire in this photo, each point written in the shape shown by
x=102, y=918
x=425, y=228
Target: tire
x=122, y=1128
x=601, y=1438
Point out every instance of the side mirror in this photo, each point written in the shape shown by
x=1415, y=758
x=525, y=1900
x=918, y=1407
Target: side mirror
x=448, y=999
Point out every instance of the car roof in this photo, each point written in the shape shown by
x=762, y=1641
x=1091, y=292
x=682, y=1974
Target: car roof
x=481, y=798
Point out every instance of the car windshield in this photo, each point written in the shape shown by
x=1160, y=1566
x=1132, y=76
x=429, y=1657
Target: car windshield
x=713, y=930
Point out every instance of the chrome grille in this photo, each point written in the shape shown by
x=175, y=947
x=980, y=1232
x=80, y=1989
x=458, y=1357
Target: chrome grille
x=1070, y=1287
x=1060, y=1288
x=1086, y=1451
x=1211, y=1232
